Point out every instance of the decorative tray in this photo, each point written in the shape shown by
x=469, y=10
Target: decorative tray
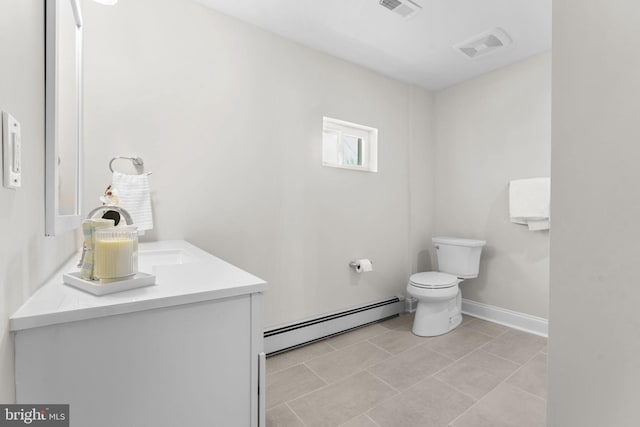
x=96, y=288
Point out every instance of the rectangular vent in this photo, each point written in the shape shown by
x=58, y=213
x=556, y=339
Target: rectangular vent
x=390, y=4
x=484, y=43
x=404, y=8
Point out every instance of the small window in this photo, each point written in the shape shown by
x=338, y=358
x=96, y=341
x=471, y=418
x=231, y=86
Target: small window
x=349, y=145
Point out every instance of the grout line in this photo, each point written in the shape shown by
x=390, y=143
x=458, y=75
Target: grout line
x=398, y=391
x=303, y=360
x=314, y=372
x=320, y=355
x=380, y=403
x=360, y=368
x=284, y=369
x=518, y=387
x=470, y=323
x=455, y=388
x=442, y=354
x=520, y=365
x=527, y=392
x=380, y=348
x=476, y=403
x=295, y=413
x=453, y=362
x=331, y=345
x=371, y=419
x=464, y=412
x=328, y=384
x=365, y=340
x=364, y=414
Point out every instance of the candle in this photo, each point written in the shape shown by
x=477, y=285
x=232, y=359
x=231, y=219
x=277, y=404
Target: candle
x=116, y=254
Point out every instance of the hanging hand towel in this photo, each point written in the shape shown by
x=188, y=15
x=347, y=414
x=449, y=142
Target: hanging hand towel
x=529, y=202
x=134, y=194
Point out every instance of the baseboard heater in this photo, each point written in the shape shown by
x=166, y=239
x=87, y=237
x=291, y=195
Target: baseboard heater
x=288, y=337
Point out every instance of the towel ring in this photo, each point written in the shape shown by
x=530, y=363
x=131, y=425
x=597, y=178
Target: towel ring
x=137, y=161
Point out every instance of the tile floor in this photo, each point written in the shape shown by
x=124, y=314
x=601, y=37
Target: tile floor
x=479, y=375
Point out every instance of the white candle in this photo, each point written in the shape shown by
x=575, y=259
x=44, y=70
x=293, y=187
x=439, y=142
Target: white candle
x=115, y=257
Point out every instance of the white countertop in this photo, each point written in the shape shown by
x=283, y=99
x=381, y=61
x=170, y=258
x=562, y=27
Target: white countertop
x=198, y=276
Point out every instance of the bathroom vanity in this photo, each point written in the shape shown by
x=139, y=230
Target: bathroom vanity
x=187, y=351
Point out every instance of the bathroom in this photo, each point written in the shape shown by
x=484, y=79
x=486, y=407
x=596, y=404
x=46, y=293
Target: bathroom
x=231, y=127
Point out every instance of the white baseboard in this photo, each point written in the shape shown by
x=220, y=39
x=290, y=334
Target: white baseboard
x=513, y=319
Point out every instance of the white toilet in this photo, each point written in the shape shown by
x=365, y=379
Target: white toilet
x=438, y=294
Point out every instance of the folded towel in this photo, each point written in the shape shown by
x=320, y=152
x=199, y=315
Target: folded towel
x=134, y=195
x=529, y=202
x=537, y=225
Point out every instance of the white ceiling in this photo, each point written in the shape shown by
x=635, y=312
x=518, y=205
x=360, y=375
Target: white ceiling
x=417, y=50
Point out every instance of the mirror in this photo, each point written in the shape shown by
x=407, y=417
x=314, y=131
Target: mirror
x=63, y=116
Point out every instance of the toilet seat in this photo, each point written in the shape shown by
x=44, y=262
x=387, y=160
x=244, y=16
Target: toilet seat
x=433, y=280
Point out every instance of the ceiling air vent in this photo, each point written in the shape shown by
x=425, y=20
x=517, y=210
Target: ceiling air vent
x=484, y=43
x=404, y=8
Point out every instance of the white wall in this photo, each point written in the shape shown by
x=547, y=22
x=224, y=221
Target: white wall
x=594, y=349
x=27, y=258
x=490, y=130
x=422, y=181
x=228, y=117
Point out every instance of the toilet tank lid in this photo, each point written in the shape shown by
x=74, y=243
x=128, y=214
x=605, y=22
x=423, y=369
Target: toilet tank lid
x=457, y=241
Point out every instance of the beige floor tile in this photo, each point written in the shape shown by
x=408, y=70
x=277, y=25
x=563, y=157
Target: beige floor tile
x=478, y=347
x=458, y=343
x=410, y=367
x=281, y=416
x=339, y=364
x=297, y=356
x=505, y=406
x=477, y=373
x=474, y=419
x=429, y=403
x=291, y=383
x=404, y=322
x=466, y=318
x=516, y=346
x=397, y=341
x=532, y=376
x=360, y=421
x=342, y=401
x=487, y=328
x=356, y=336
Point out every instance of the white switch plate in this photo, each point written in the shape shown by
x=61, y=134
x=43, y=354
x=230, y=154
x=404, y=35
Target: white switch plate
x=11, y=151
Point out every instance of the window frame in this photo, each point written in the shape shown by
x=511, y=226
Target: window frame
x=368, y=144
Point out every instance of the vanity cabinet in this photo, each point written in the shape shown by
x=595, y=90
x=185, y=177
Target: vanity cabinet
x=191, y=359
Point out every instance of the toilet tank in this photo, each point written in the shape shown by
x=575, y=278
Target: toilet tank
x=460, y=257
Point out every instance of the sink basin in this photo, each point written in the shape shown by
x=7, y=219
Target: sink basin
x=147, y=259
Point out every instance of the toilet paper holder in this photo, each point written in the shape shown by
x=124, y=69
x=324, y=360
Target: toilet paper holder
x=356, y=265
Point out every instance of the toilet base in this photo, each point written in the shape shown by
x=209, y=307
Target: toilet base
x=438, y=317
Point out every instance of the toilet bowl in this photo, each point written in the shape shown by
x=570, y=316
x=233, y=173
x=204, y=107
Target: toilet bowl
x=438, y=292
x=439, y=303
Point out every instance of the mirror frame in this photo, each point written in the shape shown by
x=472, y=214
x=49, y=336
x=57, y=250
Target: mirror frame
x=55, y=223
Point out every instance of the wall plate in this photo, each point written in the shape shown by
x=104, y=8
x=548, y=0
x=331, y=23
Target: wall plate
x=11, y=151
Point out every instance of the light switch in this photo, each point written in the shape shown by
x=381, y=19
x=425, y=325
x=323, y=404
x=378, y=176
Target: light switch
x=11, y=151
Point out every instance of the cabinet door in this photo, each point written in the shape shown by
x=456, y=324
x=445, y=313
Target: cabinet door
x=185, y=365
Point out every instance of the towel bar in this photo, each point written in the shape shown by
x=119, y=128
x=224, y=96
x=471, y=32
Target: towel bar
x=137, y=161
